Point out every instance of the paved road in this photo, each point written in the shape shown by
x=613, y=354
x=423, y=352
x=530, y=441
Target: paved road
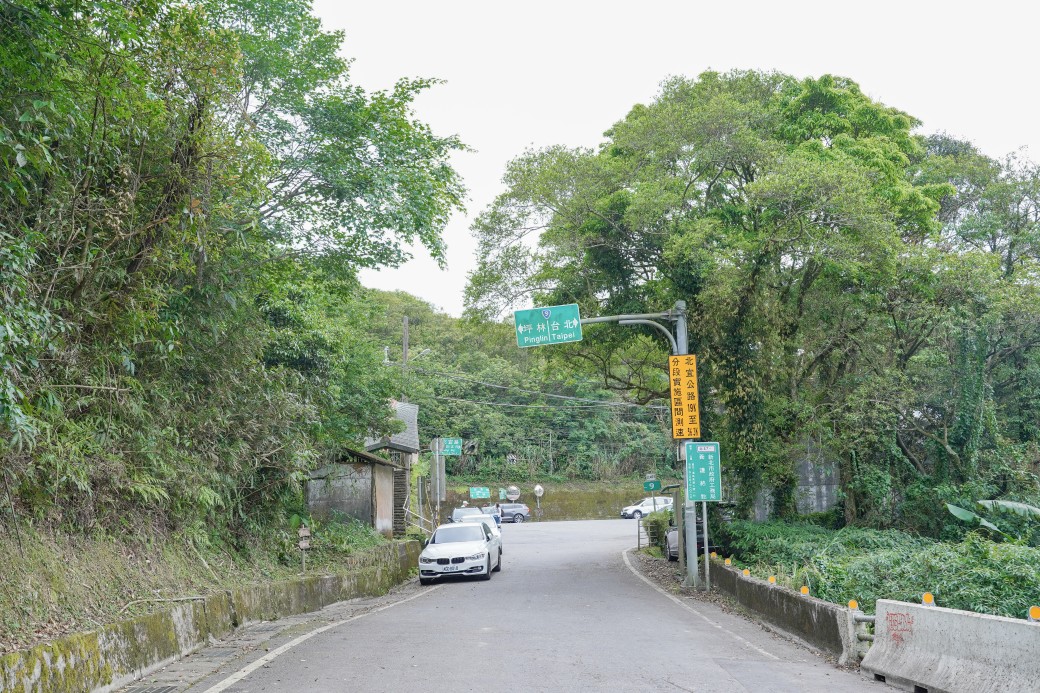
x=566, y=613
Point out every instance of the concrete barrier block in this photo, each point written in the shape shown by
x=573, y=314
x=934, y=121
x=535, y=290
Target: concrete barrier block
x=948, y=651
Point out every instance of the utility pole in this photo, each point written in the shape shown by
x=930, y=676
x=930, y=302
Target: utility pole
x=404, y=360
x=551, y=466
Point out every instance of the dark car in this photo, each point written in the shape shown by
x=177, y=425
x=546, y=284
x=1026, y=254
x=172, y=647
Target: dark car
x=671, y=538
x=515, y=512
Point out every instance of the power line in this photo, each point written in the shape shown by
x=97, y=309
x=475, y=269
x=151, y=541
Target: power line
x=543, y=406
x=596, y=402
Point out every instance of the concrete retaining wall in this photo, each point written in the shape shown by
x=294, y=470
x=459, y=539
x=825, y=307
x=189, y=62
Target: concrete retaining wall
x=946, y=650
x=117, y=654
x=820, y=625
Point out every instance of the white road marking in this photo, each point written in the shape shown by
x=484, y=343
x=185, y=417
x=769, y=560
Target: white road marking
x=250, y=668
x=624, y=555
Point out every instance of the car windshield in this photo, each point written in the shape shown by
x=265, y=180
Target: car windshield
x=459, y=512
x=452, y=535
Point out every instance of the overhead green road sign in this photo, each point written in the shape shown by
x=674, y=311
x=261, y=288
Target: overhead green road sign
x=479, y=492
x=545, y=326
x=703, y=472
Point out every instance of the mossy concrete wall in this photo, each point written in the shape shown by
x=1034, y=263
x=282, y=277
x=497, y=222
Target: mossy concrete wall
x=821, y=625
x=599, y=501
x=119, y=653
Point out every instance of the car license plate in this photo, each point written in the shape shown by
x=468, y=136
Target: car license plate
x=450, y=568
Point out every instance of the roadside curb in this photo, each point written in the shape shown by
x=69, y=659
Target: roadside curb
x=120, y=653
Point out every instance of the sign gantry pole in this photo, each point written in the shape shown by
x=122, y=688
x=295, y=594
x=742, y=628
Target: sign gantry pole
x=562, y=324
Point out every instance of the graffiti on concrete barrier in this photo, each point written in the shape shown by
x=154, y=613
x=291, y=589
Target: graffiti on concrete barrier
x=900, y=625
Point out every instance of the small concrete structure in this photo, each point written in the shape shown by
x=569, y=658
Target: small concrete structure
x=359, y=485
x=947, y=650
x=817, y=483
x=403, y=450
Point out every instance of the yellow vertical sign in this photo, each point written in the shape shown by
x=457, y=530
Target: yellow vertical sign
x=686, y=413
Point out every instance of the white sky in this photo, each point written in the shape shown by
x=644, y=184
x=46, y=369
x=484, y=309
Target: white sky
x=536, y=73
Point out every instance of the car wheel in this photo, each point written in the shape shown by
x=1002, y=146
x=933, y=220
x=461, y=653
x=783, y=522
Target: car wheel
x=637, y=515
x=487, y=570
x=519, y=517
x=425, y=581
x=499, y=566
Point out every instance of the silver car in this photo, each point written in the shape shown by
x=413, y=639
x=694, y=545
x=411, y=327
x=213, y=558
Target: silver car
x=461, y=548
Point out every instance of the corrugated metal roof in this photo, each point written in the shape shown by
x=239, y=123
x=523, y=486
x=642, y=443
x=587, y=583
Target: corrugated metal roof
x=405, y=441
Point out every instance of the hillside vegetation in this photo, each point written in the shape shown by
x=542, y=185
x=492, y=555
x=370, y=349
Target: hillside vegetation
x=187, y=195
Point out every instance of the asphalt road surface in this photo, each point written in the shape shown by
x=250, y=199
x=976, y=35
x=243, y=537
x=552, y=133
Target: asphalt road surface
x=566, y=613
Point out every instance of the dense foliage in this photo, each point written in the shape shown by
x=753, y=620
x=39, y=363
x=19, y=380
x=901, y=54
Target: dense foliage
x=858, y=294
x=186, y=193
x=974, y=574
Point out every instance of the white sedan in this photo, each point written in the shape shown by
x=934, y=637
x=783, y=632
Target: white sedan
x=463, y=548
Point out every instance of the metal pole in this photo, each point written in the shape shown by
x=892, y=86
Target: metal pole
x=682, y=347
x=707, y=550
x=436, y=476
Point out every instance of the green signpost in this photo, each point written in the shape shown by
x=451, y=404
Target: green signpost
x=703, y=471
x=652, y=485
x=550, y=325
x=451, y=446
x=479, y=492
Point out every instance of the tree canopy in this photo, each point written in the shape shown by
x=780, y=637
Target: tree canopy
x=853, y=287
x=186, y=195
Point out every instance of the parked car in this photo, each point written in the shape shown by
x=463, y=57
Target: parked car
x=672, y=541
x=487, y=520
x=646, y=506
x=461, y=548
x=493, y=512
x=458, y=513
x=515, y=512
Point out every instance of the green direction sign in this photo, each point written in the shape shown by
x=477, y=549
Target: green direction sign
x=703, y=471
x=451, y=446
x=544, y=326
x=652, y=485
x=479, y=492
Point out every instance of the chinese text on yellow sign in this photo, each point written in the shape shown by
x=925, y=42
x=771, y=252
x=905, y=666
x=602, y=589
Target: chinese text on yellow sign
x=686, y=415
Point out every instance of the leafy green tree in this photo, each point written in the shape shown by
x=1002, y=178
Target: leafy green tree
x=845, y=278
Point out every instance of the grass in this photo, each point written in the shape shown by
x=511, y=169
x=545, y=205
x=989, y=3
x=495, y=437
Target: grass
x=55, y=584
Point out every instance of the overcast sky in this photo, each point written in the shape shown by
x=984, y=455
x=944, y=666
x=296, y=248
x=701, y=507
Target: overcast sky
x=536, y=73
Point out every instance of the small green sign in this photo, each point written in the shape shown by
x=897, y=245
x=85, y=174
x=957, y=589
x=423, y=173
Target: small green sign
x=451, y=446
x=550, y=325
x=479, y=492
x=654, y=485
x=703, y=471
x=501, y=494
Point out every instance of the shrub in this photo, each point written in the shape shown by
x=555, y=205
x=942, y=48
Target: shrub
x=656, y=525
x=975, y=574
